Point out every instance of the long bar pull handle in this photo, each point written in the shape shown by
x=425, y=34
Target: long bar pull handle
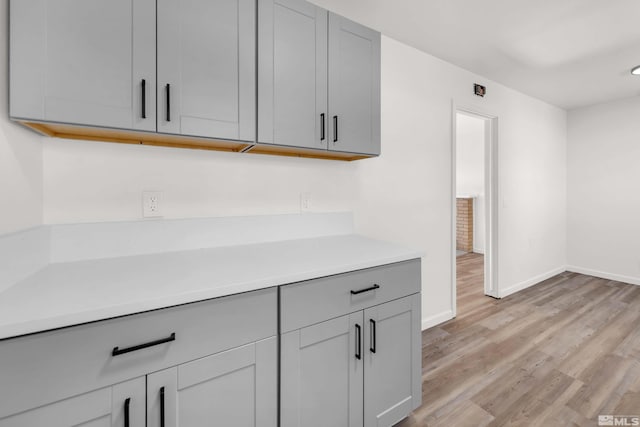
x=335, y=128
x=161, y=406
x=144, y=98
x=117, y=351
x=372, y=347
x=358, y=342
x=127, y=403
x=372, y=288
x=322, y=126
x=168, y=90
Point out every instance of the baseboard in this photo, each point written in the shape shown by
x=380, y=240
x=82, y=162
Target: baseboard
x=431, y=321
x=530, y=282
x=604, y=275
x=478, y=251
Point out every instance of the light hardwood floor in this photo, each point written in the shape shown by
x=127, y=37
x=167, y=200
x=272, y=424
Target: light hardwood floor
x=557, y=354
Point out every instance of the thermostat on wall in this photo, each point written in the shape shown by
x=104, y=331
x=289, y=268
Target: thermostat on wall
x=479, y=89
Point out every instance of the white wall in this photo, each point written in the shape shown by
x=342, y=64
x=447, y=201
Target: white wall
x=20, y=155
x=603, y=185
x=405, y=195
x=89, y=181
x=470, y=147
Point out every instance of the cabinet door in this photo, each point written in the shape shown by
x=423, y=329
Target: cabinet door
x=206, y=68
x=321, y=374
x=292, y=73
x=392, y=380
x=84, y=62
x=107, y=407
x=236, y=388
x=354, y=87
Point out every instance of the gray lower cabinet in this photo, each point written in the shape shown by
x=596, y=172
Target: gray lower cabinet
x=237, y=387
x=119, y=405
x=233, y=388
x=354, y=87
x=206, y=68
x=357, y=369
x=393, y=349
x=213, y=360
x=330, y=370
x=87, y=62
x=350, y=351
x=321, y=379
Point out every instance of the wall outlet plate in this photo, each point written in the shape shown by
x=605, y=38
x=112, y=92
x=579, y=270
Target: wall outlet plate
x=305, y=202
x=152, y=204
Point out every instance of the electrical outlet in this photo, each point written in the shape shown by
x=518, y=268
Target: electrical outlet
x=305, y=202
x=152, y=204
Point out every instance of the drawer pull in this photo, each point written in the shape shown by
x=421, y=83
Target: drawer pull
x=126, y=411
x=116, y=350
x=358, y=342
x=161, y=406
x=372, y=347
x=372, y=288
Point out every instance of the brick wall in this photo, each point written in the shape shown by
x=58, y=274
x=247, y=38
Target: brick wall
x=464, y=225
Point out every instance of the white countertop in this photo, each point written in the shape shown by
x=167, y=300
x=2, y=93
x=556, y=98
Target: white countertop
x=70, y=293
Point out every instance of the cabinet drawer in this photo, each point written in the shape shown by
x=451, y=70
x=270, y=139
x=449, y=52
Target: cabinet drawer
x=313, y=301
x=43, y=368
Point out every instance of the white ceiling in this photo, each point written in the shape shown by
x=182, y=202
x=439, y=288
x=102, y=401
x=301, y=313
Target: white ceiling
x=570, y=53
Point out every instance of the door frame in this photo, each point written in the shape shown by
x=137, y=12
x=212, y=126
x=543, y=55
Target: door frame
x=491, y=282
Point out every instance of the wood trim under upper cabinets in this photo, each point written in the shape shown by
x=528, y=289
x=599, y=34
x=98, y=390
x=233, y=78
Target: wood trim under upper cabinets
x=180, y=141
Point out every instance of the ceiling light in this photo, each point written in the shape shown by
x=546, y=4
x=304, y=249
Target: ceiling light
x=636, y=70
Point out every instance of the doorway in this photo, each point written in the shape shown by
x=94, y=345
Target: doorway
x=474, y=219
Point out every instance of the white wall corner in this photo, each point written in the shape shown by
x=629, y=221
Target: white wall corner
x=530, y=282
x=604, y=275
x=431, y=321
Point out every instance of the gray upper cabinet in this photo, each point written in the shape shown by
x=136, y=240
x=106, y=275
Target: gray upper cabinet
x=354, y=87
x=84, y=62
x=292, y=77
x=206, y=68
x=318, y=79
x=280, y=77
